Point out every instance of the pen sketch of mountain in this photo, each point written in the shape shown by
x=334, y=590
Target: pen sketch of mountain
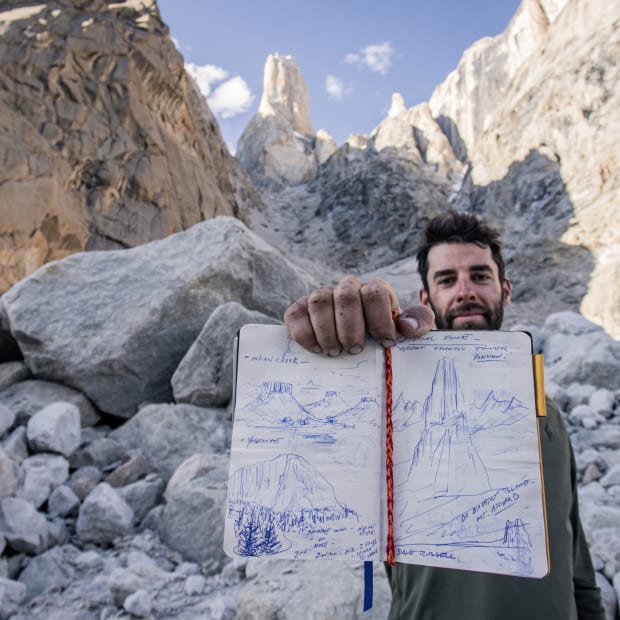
x=517, y=545
x=331, y=402
x=445, y=460
x=275, y=406
x=280, y=496
x=367, y=410
x=494, y=411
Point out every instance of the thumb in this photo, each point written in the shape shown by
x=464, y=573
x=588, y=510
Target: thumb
x=415, y=321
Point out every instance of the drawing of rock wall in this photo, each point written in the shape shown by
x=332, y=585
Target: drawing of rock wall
x=445, y=453
x=285, y=484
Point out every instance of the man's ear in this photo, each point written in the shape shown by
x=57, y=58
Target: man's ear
x=424, y=297
x=507, y=288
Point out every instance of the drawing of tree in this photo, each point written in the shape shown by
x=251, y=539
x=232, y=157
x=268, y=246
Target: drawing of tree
x=271, y=544
x=249, y=537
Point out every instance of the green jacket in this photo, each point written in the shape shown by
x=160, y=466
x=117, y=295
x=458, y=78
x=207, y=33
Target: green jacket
x=568, y=592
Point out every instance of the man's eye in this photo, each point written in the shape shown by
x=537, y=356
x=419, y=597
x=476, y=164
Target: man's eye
x=480, y=277
x=445, y=281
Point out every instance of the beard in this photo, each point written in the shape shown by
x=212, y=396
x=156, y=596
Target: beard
x=493, y=315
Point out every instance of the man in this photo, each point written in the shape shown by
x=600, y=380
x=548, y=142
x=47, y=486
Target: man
x=464, y=287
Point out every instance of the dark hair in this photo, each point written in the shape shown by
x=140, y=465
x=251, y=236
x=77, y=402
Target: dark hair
x=455, y=227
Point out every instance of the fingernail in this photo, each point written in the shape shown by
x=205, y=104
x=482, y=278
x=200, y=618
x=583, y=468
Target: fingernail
x=334, y=352
x=317, y=349
x=355, y=350
x=413, y=323
x=388, y=342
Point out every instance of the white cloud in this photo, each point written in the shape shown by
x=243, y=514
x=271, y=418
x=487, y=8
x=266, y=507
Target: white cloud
x=336, y=88
x=231, y=98
x=377, y=58
x=226, y=97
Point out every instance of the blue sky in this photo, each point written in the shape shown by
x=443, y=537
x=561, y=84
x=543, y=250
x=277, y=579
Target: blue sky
x=353, y=55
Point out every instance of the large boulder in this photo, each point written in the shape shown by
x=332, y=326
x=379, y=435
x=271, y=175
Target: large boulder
x=166, y=435
x=205, y=375
x=116, y=324
x=192, y=521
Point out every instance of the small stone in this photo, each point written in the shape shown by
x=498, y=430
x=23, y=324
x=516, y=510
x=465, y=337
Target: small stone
x=602, y=401
x=84, y=480
x=12, y=372
x=8, y=475
x=25, y=529
x=46, y=572
x=131, y=470
x=138, y=604
x=612, y=477
x=55, y=428
x=591, y=473
x=104, y=516
x=39, y=476
x=7, y=418
x=12, y=595
x=195, y=584
x=16, y=444
x=63, y=502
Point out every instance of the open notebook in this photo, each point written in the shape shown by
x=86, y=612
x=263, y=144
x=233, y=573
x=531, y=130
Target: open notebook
x=307, y=468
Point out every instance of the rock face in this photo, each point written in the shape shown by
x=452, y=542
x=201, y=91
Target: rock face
x=279, y=146
x=105, y=140
x=532, y=112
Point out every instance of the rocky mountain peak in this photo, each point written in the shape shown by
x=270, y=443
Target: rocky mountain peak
x=285, y=94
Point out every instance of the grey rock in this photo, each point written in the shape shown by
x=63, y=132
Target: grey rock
x=187, y=569
x=165, y=435
x=591, y=472
x=16, y=444
x=7, y=418
x=12, y=372
x=138, y=604
x=583, y=415
x=8, y=475
x=12, y=595
x=24, y=528
x=152, y=519
x=557, y=393
x=579, y=393
x=592, y=357
x=204, y=376
x=131, y=470
x=39, y=476
x=137, y=311
x=602, y=401
x=122, y=583
x=271, y=590
x=608, y=594
x=63, y=502
x=604, y=437
x=569, y=324
x=194, y=585
x=612, y=477
x=143, y=495
x=616, y=584
x=45, y=572
x=27, y=397
x=103, y=452
x=194, y=509
x=84, y=480
x=103, y=516
x=55, y=428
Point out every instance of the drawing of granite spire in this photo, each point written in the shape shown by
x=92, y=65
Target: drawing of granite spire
x=445, y=452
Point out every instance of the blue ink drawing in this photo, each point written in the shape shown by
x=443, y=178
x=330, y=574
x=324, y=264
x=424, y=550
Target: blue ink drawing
x=274, y=500
x=446, y=501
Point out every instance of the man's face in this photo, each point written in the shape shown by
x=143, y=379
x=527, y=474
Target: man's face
x=464, y=290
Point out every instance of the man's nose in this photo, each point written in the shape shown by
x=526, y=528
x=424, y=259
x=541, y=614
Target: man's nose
x=465, y=291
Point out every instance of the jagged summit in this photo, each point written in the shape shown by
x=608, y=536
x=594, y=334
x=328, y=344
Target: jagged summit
x=279, y=147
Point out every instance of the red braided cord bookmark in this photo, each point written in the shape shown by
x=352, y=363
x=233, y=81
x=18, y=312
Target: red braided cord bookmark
x=389, y=454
